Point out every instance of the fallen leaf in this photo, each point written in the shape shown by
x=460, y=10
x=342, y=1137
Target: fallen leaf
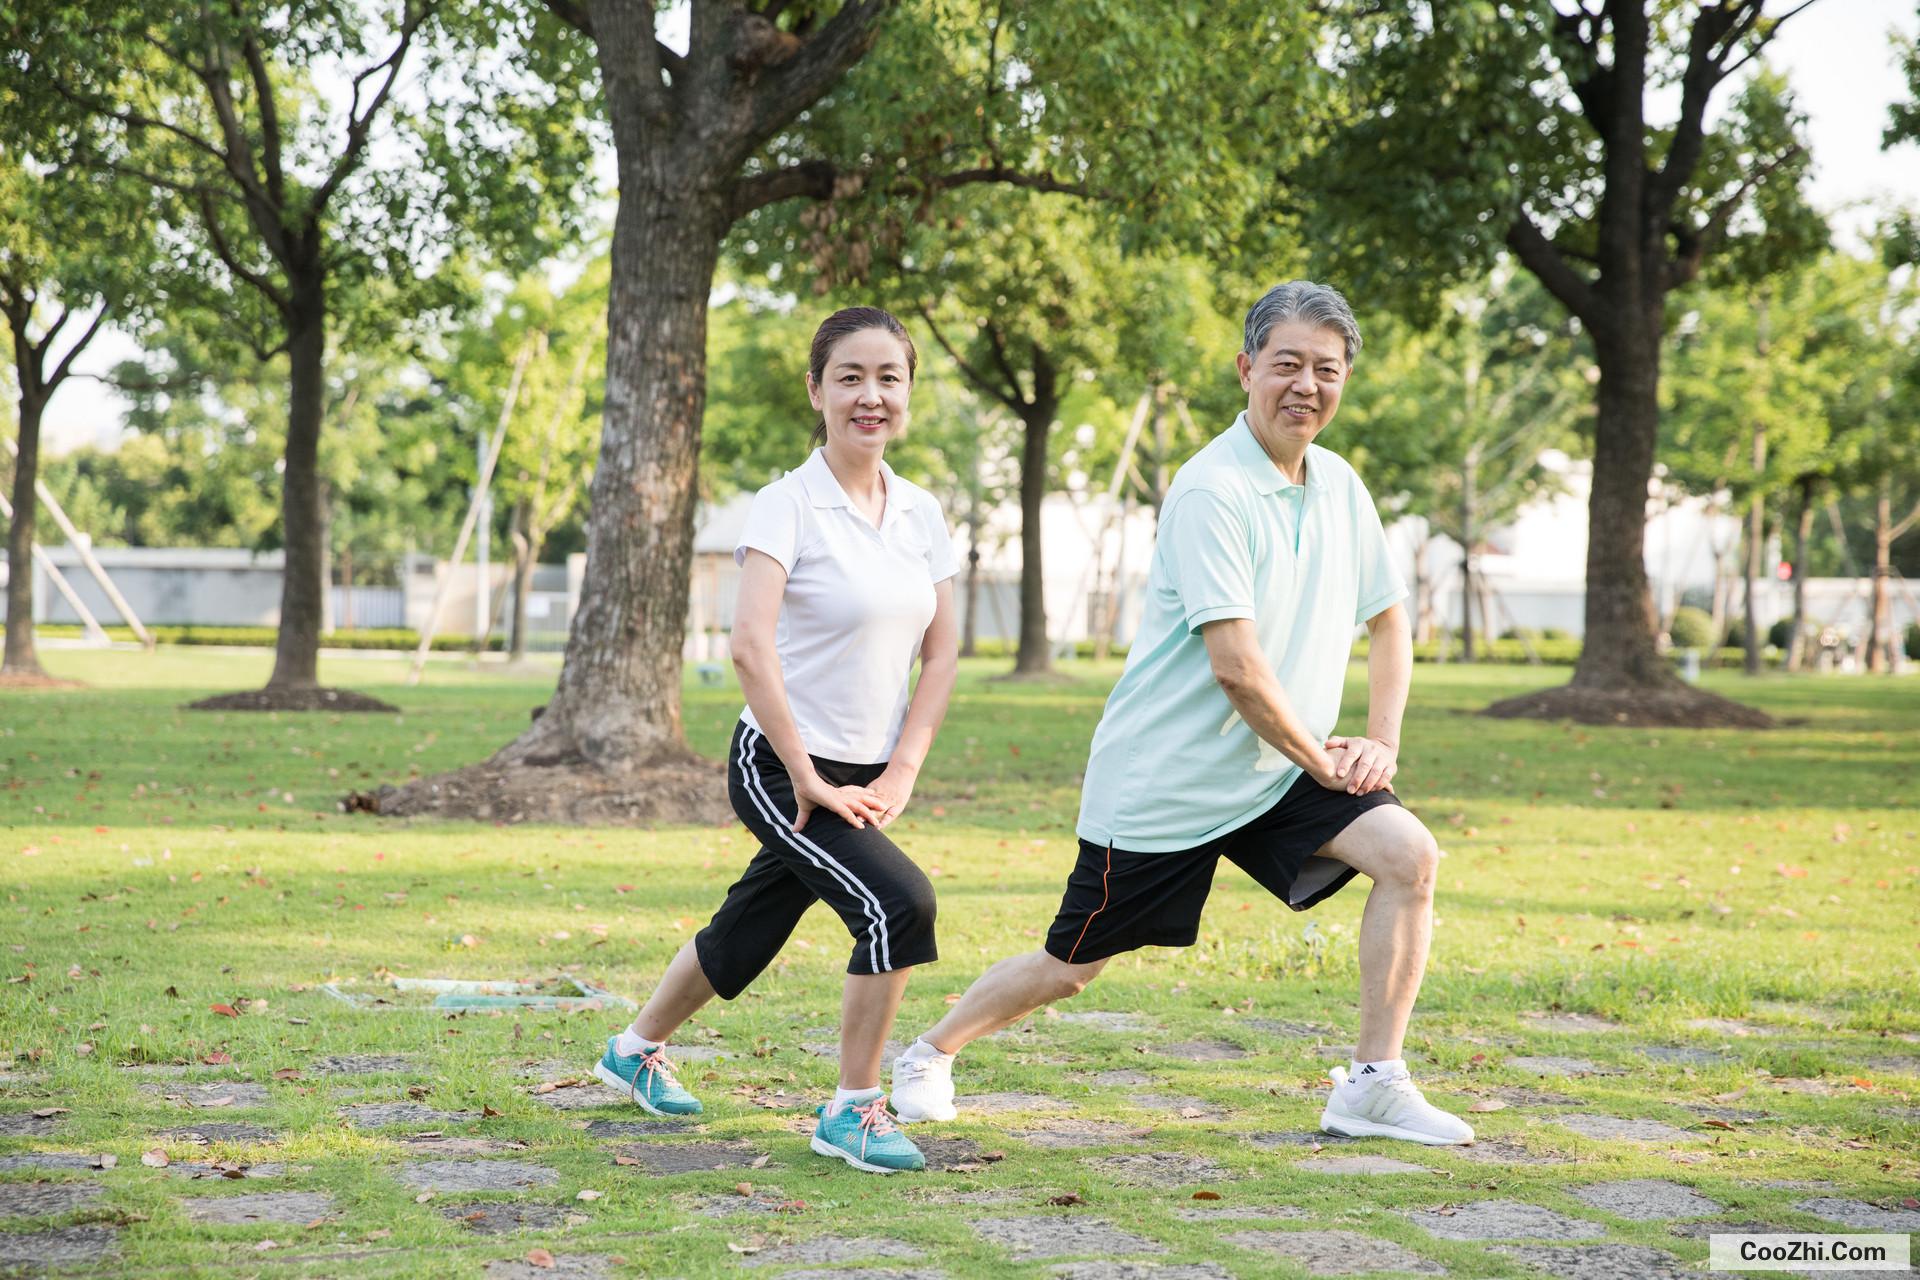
x=1715, y=1124
x=155, y=1159
x=966, y=1166
x=265, y=1245
x=540, y=1258
x=418, y=1092
x=379, y=1233
x=1070, y=1198
x=225, y=1010
x=588, y=1195
x=488, y=1113
x=287, y=1073
x=1488, y=1104
x=317, y=1222
x=105, y=1161
x=423, y=1197
x=46, y=1112
x=625, y=1160
x=1206, y=1195
x=758, y=1162
x=1192, y=1113
x=743, y=1188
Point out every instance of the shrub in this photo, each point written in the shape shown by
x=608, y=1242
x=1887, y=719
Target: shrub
x=1780, y=634
x=1913, y=640
x=1692, y=628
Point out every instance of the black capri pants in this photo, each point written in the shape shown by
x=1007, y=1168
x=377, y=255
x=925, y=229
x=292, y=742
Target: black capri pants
x=885, y=900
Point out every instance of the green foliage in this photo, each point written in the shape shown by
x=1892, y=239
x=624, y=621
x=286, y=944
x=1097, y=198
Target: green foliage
x=1691, y=628
x=1780, y=634
x=387, y=639
x=1913, y=640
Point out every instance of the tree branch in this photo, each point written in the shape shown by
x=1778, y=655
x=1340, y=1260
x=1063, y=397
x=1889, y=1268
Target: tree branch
x=269, y=117
x=222, y=250
x=359, y=123
x=998, y=346
x=1694, y=246
x=573, y=15
x=797, y=80
x=1714, y=28
x=1899, y=530
x=1538, y=255
x=973, y=375
x=66, y=362
x=137, y=120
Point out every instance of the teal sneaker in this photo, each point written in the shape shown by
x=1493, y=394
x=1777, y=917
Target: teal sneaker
x=648, y=1079
x=865, y=1137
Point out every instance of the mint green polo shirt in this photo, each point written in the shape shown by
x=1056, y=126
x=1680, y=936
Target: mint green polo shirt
x=1173, y=765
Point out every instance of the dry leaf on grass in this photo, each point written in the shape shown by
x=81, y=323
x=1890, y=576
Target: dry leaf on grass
x=155, y=1159
x=1488, y=1104
x=540, y=1258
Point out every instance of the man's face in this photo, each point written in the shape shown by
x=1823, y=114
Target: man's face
x=1293, y=386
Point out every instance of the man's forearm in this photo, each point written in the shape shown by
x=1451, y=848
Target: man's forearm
x=1389, y=675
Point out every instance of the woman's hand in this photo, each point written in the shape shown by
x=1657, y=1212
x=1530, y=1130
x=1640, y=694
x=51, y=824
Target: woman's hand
x=893, y=789
x=856, y=806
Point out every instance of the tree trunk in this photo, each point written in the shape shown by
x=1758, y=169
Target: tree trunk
x=1880, y=638
x=1802, y=530
x=296, y=653
x=346, y=584
x=20, y=656
x=1618, y=652
x=1035, y=656
x=618, y=702
x=1756, y=549
x=1467, y=534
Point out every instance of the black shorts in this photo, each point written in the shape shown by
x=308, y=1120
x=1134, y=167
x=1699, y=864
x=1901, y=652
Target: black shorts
x=885, y=901
x=1118, y=900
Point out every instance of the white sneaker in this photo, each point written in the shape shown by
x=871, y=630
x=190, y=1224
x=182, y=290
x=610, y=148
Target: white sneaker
x=923, y=1088
x=1391, y=1108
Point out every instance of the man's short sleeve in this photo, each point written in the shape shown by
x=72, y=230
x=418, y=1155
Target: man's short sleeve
x=775, y=523
x=1206, y=552
x=942, y=561
x=1381, y=586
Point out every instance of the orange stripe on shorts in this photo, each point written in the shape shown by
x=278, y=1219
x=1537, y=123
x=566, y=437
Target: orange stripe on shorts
x=1104, y=895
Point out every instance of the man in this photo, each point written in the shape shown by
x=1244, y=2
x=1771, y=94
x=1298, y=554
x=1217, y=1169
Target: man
x=1215, y=743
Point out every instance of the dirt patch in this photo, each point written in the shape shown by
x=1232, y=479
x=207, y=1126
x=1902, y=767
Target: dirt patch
x=51, y=1161
x=1069, y=1133
x=639, y=1128
x=1605, y=1127
x=1223, y=1209
x=439, y=1144
x=362, y=1064
x=999, y=1102
x=684, y=789
x=300, y=698
x=579, y=1266
x=1337, y=1253
x=378, y=1115
x=24, y=1124
x=220, y=1093
x=1562, y=1067
x=1674, y=706
x=1110, y=1270
x=1498, y=1151
x=1862, y=1216
x=32, y=681
x=1577, y=1023
x=1124, y=1076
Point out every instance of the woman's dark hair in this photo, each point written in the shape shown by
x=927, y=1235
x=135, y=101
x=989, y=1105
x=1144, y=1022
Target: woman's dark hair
x=844, y=323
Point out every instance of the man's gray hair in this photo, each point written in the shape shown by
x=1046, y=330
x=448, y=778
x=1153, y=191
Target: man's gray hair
x=1302, y=300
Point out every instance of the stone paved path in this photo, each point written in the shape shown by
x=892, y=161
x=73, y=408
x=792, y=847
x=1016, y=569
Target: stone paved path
x=1070, y=1173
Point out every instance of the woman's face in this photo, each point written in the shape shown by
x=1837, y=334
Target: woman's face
x=862, y=394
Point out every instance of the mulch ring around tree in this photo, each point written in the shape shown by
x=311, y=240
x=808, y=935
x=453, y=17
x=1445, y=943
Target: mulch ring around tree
x=1676, y=705
x=30, y=680
x=297, y=698
x=687, y=791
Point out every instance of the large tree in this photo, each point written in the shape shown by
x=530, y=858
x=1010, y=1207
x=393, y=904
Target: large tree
x=1533, y=130
x=748, y=116
x=294, y=208
x=74, y=250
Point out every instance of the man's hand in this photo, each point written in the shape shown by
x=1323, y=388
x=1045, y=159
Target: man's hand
x=1362, y=765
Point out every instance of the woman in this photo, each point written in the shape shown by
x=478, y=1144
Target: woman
x=846, y=577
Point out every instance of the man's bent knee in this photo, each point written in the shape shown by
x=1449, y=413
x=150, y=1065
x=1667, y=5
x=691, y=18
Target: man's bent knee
x=1065, y=981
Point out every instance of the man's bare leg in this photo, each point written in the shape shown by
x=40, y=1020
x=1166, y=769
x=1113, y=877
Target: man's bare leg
x=1007, y=993
x=1390, y=846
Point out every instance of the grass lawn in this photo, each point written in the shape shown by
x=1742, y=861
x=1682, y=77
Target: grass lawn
x=1687, y=957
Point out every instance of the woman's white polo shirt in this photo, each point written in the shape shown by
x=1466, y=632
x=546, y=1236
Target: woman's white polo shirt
x=857, y=604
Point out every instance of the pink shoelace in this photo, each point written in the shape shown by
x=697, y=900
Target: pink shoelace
x=874, y=1120
x=655, y=1060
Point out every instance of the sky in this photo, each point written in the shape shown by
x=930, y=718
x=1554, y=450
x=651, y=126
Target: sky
x=1836, y=56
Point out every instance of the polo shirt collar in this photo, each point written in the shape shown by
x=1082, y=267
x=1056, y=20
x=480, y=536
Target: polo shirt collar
x=823, y=490
x=1265, y=476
